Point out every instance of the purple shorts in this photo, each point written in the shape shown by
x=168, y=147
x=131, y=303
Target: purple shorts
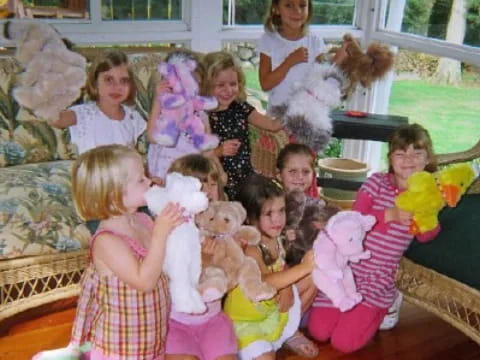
x=206, y=341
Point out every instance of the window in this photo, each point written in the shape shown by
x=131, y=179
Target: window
x=252, y=12
x=448, y=112
x=455, y=21
x=141, y=10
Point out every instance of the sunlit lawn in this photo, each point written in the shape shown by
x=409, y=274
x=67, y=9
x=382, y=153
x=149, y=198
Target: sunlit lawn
x=451, y=114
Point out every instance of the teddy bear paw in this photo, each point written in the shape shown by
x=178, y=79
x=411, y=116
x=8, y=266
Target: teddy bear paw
x=209, y=142
x=164, y=140
x=212, y=294
x=265, y=293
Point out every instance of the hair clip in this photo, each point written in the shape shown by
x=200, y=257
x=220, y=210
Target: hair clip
x=278, y=184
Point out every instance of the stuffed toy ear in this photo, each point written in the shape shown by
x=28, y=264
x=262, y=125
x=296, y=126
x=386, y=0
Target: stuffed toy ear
x=239, y=211
x=156, y=198
x=203, y=218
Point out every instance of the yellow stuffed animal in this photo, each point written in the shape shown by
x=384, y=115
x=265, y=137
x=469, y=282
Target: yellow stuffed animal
x=423, y=199
x=454, y=181
x=428, y=193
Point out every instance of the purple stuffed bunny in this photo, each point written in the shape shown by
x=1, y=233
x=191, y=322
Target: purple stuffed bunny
x=182, y=106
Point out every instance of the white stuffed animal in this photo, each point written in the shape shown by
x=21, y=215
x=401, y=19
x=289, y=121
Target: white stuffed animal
x=53, y=75
x=307, y=113
x=183, y=253
x=338, y=244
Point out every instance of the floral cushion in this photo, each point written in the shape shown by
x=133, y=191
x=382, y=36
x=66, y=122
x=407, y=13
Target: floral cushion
x=37, y=215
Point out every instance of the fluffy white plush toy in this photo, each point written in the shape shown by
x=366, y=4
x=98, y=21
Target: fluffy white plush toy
x=307, y=114
x=183, y=253
x=53, y=75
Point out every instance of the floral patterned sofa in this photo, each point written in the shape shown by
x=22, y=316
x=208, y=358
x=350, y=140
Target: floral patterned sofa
x=43, y=243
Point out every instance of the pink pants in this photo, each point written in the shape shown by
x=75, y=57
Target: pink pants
x=347, y=331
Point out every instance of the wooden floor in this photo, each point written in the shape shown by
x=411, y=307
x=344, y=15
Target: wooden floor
x=418, y=336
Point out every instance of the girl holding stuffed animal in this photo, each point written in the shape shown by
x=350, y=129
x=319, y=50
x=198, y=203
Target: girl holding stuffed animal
x=124, y=300
x=410, y=151
x=207, y=336
x=296, y=173
x=286, y=49
x=106, y=120
x=226, y=81
x=160, y=157
x=262, y=328
x=296, y=170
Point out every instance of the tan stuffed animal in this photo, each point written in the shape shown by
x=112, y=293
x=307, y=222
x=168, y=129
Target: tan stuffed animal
x=53, y=75
x=359, y=66
x=230, y=266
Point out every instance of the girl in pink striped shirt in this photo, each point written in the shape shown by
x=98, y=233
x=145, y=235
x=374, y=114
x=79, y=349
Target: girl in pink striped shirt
x=410, y=151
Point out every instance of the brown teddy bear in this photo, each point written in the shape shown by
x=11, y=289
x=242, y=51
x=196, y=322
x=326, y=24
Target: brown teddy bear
x=362, y=67
x=230, y=266
x=306, y=216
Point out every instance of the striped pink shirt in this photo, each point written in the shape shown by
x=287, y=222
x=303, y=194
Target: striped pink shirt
x=121, y=322
x=375, y=277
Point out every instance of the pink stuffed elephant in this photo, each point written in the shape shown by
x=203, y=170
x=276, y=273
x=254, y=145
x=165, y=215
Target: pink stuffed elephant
x=337, y=245
x=182, y=106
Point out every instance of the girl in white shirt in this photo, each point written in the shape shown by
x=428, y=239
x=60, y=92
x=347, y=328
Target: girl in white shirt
x=105, y=120
x=286, y=49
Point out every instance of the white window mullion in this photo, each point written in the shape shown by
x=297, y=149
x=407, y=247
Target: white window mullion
x=369, y=14
x=95, y=11
x=206, y=25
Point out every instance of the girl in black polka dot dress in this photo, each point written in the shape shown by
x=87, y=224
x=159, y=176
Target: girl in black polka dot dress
x=225, y=80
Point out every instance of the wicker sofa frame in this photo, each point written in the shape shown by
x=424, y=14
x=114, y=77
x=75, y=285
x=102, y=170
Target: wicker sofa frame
x=451, y=300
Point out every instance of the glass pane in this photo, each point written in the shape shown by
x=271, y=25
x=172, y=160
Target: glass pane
x=141, y=9
x=424, y=90
x=47, y=9
x=252, y=12
x=333, y=12
x=456, y=21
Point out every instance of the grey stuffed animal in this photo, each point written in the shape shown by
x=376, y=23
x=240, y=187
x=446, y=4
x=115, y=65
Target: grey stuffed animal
x=306, y=216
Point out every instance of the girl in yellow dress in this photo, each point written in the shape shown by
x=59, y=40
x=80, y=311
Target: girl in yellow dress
x=262, y=328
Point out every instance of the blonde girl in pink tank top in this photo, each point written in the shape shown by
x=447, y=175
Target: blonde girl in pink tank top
x=124, y=301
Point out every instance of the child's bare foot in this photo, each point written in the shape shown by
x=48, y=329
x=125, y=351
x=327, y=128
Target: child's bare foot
x=301, y=345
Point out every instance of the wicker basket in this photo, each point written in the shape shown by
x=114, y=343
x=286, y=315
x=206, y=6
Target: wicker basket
x=344, y=169
x=26, y=283
x=265, y=146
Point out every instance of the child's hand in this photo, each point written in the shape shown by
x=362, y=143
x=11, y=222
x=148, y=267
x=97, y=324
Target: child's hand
x=298, y=56
x=340, y=55
x=157, y=181
x=230, y=147
x=308, y=260
x=243, y=243
x=162, y=87
x=396, y=214
x=284, y=299
x=168, y=219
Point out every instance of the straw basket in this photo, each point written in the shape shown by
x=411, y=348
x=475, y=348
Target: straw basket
x=344, y=169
